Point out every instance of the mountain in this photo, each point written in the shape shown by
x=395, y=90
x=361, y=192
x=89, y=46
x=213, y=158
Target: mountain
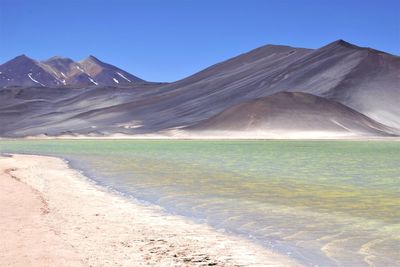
x=23, y=71
x=206, y=93
x=69, y=72
x=288, y=112
x=106, y=74
x=365, y=80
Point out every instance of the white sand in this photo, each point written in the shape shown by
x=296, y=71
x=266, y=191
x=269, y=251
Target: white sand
x=51, y=215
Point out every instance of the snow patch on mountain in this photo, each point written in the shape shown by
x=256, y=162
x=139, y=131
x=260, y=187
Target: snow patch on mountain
x=30, y=77
x=79, y=68
x=122, y=76
x=93, y=81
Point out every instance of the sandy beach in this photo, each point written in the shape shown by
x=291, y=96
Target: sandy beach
x=51, y=215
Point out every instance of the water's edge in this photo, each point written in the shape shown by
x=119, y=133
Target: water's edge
x=328, y=204
x=93, y=178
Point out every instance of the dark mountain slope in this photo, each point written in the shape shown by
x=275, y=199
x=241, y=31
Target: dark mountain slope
x=365, y=79
x=337, y=71
x=24, y=71
x=208, y=92
x=291, y=112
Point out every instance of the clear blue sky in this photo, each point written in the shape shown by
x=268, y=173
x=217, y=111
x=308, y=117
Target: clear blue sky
x=168, y=40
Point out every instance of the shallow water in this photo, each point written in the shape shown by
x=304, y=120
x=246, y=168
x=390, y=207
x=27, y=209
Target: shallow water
x=325, y=203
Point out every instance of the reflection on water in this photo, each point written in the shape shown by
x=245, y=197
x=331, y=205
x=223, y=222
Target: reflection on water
x=325, y=203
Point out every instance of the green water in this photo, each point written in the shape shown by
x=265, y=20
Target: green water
x=333, y=203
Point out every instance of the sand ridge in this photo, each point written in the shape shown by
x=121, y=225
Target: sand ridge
x=94, y=227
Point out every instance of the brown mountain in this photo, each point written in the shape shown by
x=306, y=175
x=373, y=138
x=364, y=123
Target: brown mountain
x=106, y=74
x=69, y=72
x=287, y=112
x=63, y=72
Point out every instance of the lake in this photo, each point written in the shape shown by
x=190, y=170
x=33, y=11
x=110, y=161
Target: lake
x=325, y=203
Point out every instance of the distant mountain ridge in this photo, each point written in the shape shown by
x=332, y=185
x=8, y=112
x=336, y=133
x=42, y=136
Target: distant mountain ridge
x=360, y=87
x=57, y=71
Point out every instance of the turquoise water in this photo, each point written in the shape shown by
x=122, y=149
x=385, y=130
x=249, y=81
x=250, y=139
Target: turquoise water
x=333, y=203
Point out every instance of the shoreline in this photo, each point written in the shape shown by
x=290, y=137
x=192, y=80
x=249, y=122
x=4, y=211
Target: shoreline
x=163, y=138
x=95, y=227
